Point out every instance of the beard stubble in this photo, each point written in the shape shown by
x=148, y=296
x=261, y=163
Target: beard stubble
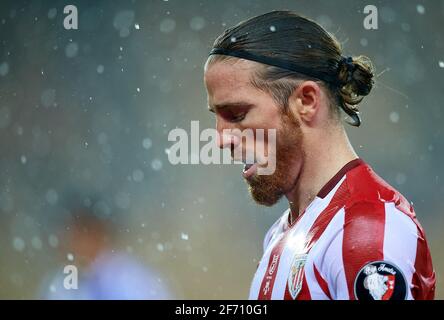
x=267, y=190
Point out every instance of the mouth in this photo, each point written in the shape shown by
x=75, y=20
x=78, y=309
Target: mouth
x=249, y=170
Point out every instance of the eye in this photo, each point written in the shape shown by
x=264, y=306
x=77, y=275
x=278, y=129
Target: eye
x=239, y=118
x=233, y=115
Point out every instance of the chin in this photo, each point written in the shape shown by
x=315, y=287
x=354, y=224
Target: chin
x=265, y=192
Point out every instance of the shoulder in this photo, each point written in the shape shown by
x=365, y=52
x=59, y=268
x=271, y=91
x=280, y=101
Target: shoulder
x=376, y=227
x=371, y=197
x=374, y=207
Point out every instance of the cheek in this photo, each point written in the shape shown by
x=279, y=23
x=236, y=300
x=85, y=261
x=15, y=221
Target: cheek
x=265, y=115
x=269, y=120
x=266, y=134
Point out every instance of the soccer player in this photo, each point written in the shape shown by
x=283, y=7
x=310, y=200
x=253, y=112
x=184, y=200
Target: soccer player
x=347, y=233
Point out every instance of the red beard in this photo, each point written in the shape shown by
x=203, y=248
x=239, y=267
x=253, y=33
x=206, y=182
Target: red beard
x=269, y=189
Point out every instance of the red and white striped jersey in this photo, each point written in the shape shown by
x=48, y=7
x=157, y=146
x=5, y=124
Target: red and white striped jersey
x=358, y=239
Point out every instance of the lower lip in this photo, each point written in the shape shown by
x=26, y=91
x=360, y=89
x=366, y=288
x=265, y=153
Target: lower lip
x=251, y=171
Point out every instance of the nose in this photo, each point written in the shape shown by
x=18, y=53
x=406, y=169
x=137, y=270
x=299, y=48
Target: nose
x=226, y=138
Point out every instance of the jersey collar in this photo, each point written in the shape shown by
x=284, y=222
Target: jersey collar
x=338, y=176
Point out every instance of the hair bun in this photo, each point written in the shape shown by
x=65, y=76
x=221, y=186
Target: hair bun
x=355, y=76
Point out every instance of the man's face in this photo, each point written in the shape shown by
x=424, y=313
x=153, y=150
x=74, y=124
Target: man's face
x=239, y=106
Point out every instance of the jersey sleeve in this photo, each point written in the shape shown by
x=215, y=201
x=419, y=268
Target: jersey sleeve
x=379, y=254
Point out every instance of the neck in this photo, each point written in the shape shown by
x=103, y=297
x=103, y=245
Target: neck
x=320, y=163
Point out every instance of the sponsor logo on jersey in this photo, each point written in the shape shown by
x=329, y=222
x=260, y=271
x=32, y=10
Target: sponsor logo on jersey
x=296, y=275
x=380, y=280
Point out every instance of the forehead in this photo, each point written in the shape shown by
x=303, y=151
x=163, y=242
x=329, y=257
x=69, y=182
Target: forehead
x=230, y=80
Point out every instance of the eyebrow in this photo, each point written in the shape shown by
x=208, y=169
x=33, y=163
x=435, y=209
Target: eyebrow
x=228, y=105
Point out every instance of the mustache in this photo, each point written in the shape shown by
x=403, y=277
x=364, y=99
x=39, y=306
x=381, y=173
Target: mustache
x=245, y=157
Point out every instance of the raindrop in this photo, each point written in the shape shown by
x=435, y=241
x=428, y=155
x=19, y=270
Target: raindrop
x=18, y=244
x=71, y=50
x=20, y=130
x=420, y=8
x=167, y=25
x=138, y=175
x=122, y=200
x=4, y=69
x=51, y=196
x=100, y=69
x=388, y=15
x=197, y=23
x=156, y=164
x=52, y=13
x=394, y=117
x=147, y=143
x=5, y=117
x=401, y=178
x=101, y=209
x=405, y=27
x=53, y=241
x=123, y=21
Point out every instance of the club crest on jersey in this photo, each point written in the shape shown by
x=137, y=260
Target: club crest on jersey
x=380, y=280
x=296, y=275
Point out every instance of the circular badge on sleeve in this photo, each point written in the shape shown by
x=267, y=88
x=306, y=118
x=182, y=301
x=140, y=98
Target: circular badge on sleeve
x=380, y=280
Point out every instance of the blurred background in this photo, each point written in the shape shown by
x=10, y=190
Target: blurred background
x=84, y=121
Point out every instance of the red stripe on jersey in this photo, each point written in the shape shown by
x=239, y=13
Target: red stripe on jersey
x=424, y=277
x=322, y=283
x=270, y=275
x=363, y=240
x=332, y=183
x=304, y=294
x=319, y=226
x=337, y=202
x=338, y=176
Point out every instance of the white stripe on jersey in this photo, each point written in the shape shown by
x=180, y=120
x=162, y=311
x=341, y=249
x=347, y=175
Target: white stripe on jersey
x=295, y=238
x=327, y=256
x=400, y=241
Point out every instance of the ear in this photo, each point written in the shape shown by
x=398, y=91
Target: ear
x=305, y=100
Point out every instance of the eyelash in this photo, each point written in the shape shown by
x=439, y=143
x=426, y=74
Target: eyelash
x=239, y=118
x=233, y=117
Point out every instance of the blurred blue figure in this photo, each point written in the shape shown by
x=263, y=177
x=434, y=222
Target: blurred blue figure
x=102, y=273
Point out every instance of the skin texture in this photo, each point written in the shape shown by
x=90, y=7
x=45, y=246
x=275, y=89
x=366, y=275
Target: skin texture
x=311, y=143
